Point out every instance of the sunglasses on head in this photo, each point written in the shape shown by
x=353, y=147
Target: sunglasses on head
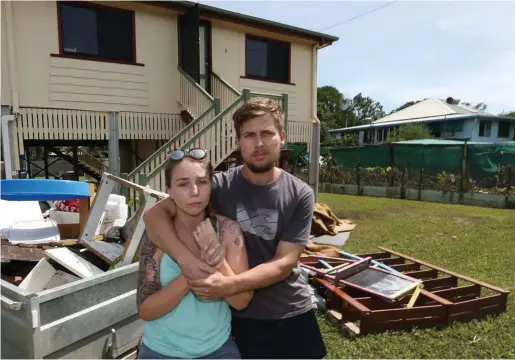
x=197, y=154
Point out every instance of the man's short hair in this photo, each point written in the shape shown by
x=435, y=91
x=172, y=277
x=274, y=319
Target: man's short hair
x=255, y=107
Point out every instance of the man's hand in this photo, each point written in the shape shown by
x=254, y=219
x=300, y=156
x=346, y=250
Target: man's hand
x=211, y=250
x=215, y=286
x=196, y=269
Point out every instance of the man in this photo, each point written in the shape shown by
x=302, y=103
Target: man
x=274, y=210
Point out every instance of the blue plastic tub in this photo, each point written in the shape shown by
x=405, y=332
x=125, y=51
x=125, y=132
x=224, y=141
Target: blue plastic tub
x=43, y=189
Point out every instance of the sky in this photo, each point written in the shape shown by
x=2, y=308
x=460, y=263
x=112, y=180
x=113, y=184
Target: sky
x=408, y=50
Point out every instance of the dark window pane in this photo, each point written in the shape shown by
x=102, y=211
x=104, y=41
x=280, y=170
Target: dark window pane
x=79, y=27
x=257, y=54
x=115, y=40
x=100, y=32
x=504, y=129
x=278, y=61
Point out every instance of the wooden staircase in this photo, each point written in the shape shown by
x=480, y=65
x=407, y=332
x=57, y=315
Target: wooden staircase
x=212, y=130
x=85, y=161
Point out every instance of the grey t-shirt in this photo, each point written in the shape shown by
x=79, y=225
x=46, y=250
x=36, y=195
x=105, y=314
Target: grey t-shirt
x=267, y=214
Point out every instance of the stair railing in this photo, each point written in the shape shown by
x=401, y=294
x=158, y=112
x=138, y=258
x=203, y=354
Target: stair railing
x=193, y=96
x=218, y=137
x=222, y=90
x=91, y=161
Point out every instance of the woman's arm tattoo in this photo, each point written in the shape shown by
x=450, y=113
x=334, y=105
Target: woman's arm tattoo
x=148, y=274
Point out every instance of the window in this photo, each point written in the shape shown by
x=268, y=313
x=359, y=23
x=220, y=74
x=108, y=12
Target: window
x=267, y=59
x=504, y=129
x=485, y=128
x=97, y=31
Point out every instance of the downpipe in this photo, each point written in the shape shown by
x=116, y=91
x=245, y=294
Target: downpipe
x=6, y=143
x=314, y=161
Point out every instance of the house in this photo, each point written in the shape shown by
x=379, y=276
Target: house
x=145, y=77
x=446, y=119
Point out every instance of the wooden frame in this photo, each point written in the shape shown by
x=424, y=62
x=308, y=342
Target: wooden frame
x=116, y=254
x=95, y=6
x=440, y=303
x=265, y=39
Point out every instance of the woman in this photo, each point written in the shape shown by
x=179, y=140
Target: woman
x=177, y=323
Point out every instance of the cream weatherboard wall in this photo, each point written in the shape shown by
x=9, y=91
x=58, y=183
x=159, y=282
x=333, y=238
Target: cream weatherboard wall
x=56, y=82
x=228, y=56
x=6, y=83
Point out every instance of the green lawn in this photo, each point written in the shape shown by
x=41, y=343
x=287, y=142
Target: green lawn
x=473, y=241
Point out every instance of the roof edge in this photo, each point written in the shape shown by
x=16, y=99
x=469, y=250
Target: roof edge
x=450, y=117
x=227, y=15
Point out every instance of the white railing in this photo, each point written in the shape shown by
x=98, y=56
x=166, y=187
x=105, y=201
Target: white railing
x=192, y=96
x=62, y=124
x=299, y=131
x=222, y=90
x=155, y=126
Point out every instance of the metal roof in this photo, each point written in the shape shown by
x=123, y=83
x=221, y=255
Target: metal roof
x=429, y=110
x=231, y=16
x=429, y=107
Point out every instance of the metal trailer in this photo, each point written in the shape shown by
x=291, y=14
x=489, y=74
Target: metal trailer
x=94, y=318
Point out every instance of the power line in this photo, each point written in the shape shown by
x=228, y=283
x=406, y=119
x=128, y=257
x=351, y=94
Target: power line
x=360, y=15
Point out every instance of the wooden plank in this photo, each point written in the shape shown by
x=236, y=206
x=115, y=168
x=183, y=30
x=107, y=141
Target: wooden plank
x=392, y=261
x=459, y=292
x=411, y=313
x=406, y=267
x=375, y=256
x=447, y=281
x=477, y=313
x=369, y=327
x=477, y=304
x=423, y=274
x=73, y=262
x=14, y=252
x=346, y=298
x=452, y=273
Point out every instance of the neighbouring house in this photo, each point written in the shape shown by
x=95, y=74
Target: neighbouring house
x=145, y=77
x=447, y=119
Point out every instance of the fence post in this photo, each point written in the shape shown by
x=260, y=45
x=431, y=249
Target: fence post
x=217, y=106
x=508, y=168
x=464, y=175
x=114, y=148
x=143, y=181
x=285, y=110
x=358, y=172
x=392, y=165
x=124, y=190
x=246, y=94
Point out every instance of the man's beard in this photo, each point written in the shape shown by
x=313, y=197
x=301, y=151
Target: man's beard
x=259, y=169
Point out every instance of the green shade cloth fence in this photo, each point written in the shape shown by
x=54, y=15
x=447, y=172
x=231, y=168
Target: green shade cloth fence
x=482, y=159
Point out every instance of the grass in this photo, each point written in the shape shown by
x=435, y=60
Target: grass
x=473, y=241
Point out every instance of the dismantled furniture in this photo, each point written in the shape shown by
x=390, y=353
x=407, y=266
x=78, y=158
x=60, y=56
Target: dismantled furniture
x=439, y=301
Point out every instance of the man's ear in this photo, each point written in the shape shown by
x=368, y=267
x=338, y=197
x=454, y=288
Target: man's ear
x=283, y=137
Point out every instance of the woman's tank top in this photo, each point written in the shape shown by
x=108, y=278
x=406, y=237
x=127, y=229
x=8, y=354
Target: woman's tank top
x=194, y=328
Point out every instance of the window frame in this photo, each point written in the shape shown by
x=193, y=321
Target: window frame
x=94, y=6
x=258, y=78
x=486, y=122
x=507, y=123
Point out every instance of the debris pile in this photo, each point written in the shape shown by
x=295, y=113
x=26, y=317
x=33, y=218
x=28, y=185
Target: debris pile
x=46, y=244
x=387, y=290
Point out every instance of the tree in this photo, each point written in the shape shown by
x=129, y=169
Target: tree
x=366, y=108
x=510, y=114
x=410, y=132
x=329, y=111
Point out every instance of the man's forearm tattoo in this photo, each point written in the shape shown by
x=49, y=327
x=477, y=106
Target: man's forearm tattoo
x=148, y=274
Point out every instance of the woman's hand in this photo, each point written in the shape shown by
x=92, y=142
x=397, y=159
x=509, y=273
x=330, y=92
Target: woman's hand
x=211, y=250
